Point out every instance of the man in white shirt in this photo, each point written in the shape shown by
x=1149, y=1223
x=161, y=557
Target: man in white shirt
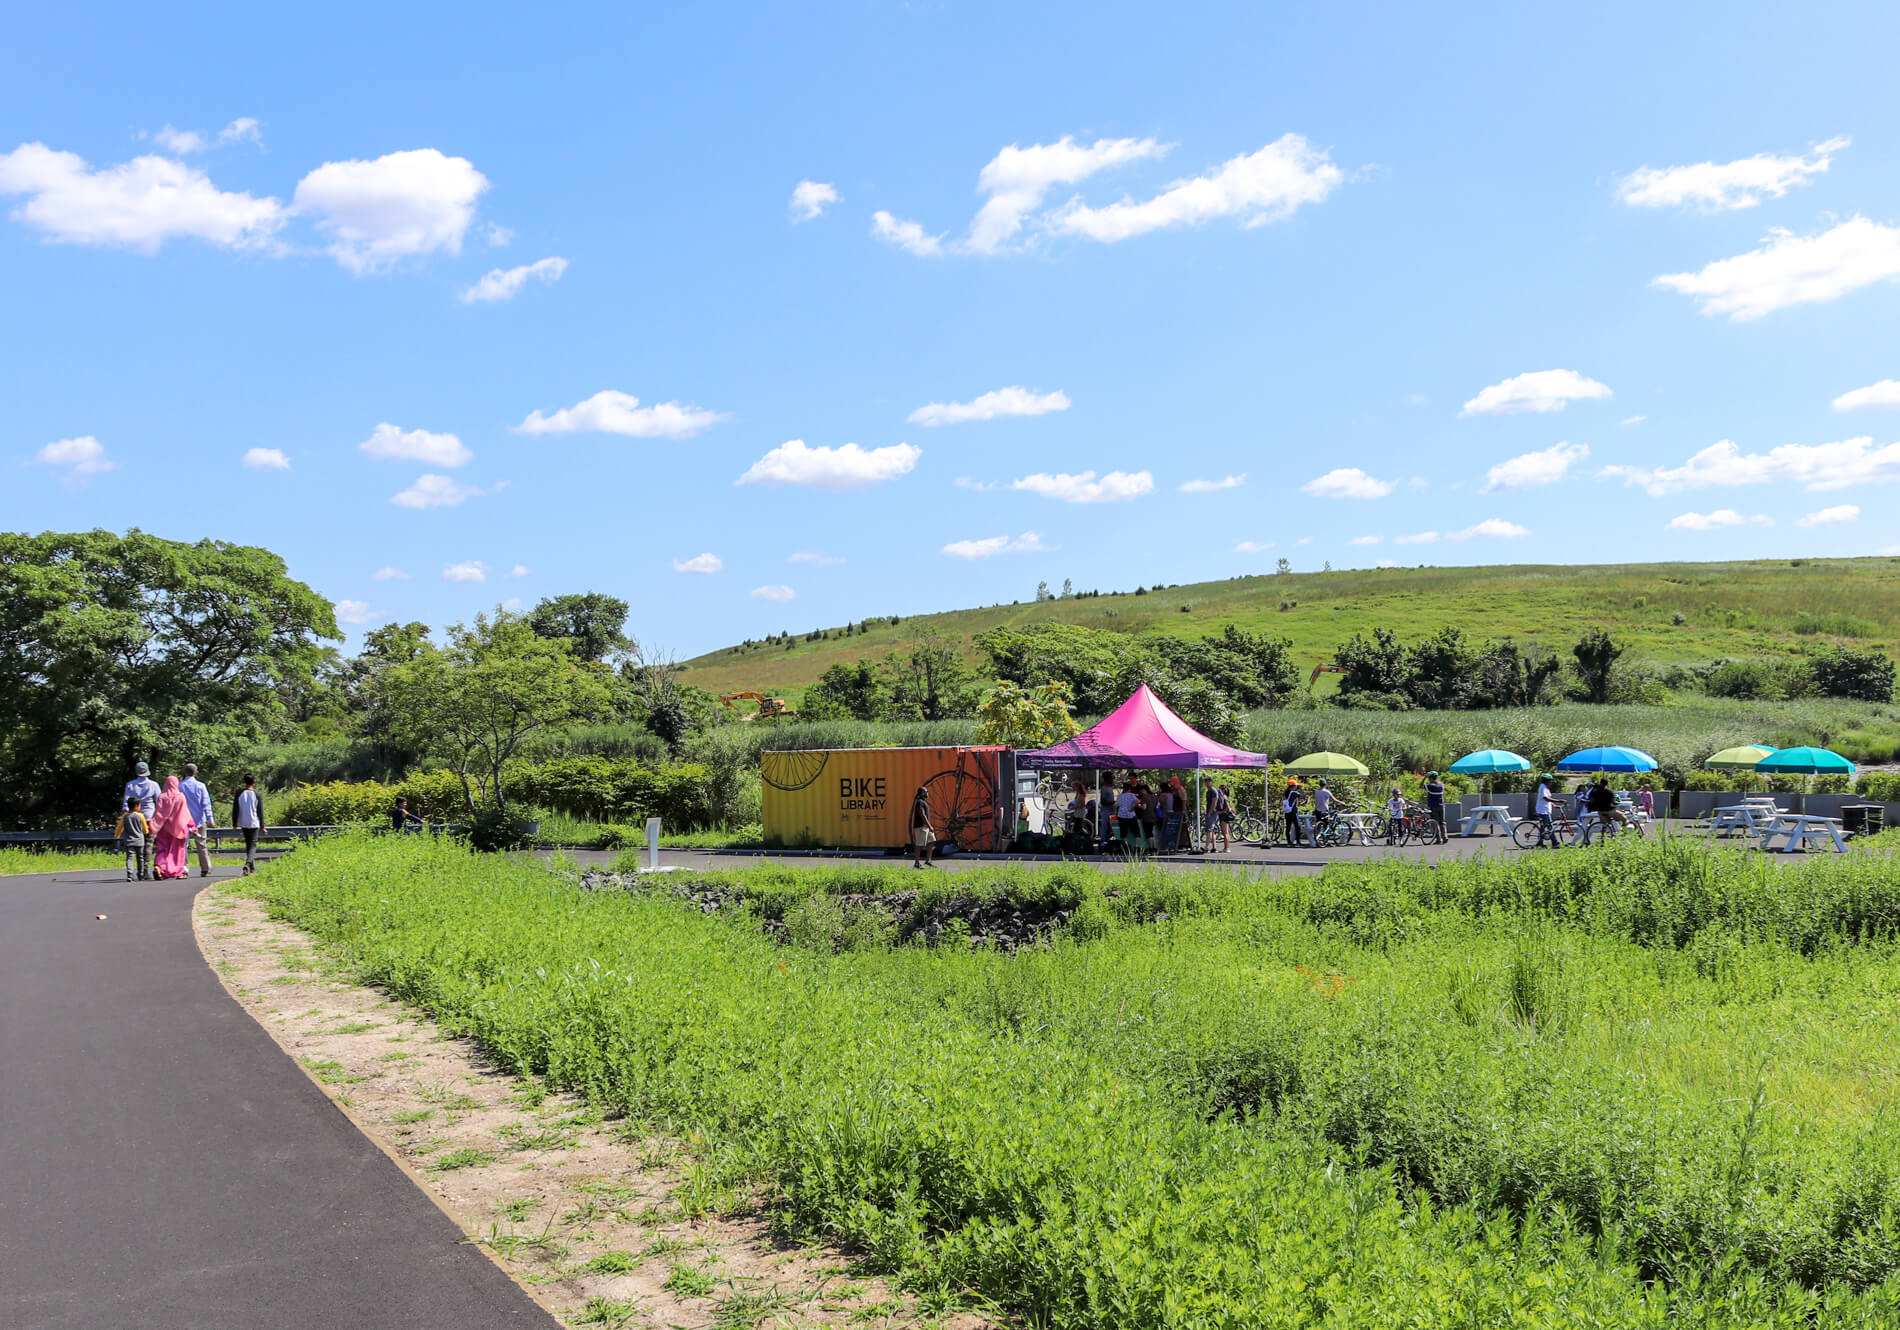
x=1540, y=805
x=247, y=815
x=198, y=800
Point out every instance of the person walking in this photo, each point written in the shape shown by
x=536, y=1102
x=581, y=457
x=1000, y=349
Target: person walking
x=134, y=835
x=923, y=840
x=198, y=800
x=1220, y=813
x=172, y=826
x=143, y=788
x=1435, y=804
x=247, y=815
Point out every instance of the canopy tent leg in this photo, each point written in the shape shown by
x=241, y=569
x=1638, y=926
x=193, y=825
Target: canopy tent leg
x=1200, y=818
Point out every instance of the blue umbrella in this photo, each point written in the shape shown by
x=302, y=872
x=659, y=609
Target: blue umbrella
x=1613, y=758
x=1489, y=761
x=1804, y=762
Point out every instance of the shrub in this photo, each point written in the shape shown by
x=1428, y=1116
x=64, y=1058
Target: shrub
x=1865, y=675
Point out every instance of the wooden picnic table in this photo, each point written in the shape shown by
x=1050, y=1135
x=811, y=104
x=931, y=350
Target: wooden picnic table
x=1800, y=828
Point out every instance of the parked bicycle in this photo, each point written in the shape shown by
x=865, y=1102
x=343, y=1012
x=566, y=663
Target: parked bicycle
x=1529, y=833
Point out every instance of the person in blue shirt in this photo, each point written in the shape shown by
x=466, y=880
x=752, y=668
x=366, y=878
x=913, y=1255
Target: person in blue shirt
x=143, y=788
x=198, y=800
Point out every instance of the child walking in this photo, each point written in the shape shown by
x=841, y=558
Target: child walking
x=134, y=835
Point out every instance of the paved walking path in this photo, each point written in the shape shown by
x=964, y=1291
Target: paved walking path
x=164, y=1164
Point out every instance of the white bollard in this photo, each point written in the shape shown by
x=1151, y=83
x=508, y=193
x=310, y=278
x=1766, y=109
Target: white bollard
x=653, y=843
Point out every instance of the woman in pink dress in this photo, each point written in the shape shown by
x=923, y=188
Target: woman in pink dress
x=172, y=825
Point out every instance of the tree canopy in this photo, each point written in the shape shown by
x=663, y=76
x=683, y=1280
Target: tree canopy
x=116, y=649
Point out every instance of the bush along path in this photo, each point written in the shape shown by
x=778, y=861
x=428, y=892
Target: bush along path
x=604, y=1222
x=1245, y=1113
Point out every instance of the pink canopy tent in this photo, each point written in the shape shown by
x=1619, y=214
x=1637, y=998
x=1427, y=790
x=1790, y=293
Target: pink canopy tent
x=1141, y=734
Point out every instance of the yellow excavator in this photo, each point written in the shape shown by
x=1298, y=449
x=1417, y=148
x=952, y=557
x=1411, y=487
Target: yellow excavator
x=1318, y=670
x=770, y=708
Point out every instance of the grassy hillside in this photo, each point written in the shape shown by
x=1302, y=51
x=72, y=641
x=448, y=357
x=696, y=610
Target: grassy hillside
x=1669, y=612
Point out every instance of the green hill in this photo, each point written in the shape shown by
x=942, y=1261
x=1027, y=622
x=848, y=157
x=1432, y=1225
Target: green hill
x=1669, y=613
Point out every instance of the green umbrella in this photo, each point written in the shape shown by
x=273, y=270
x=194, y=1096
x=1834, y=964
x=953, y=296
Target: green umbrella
x=1327, y=764
x=1744, y=758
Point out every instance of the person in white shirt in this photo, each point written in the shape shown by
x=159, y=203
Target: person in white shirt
x=1540, y=805
x=1394, y=814
x=247, y=815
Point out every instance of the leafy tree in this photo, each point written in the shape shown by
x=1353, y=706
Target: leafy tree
x=1596, y=658
x=1283, y=566
x=1842, y=671
x=930, y=682
x=1068, y=589
x=120, y=648
x=848, y=692
x=1042, y=592
x=1026, y=717
x=594, y=623
x=1377, y=667
x=476, y=699
x=1513, y=676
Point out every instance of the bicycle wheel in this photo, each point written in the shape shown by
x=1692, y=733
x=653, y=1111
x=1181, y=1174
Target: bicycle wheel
x=1254, y=831
x=1527, y=835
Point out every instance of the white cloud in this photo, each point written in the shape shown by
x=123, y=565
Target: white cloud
x=181, y=141
x=1491, y=526
x=512, y=603
x=1721, y=517
x=705, y=564
x=1793, y=270
x=1017, y=179
x=392, y=443
x=906, y=235
x=506, y=283
x=380, y=212
x=266, y=459
x=1001, y=402
x=497, y=235
x=519, y=570
x=1843, y=512
x=1259, y=187
x=352, y=611
x=1304, y=540
x=472, y=571
x=1209, y=486
x=140, y=204
x=1540, y=390
x=389, y=574
x=1884, y=393
x=1365, y=540
x=848, y=467
x=809, y=198
x=1386, y=563
x=433, y=491
x=1546, y=466
x=1633, y=420
x=1347, y=482
x=1726, y=186
x=83, y=456
x=1819, y=466
x=1421, y=538
x=611, y=412
x=779, y=593
x=972, y=483
x=1253, y=547
x=1030, y=542
x=1115, y=487
x=815, y=559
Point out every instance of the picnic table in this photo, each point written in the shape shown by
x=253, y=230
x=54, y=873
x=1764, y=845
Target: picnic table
x=1800, y=828
x=1488, y=815
x=1360, y=826
x=1745, y=817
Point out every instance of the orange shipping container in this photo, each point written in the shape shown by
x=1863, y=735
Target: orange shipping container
x=861, y=797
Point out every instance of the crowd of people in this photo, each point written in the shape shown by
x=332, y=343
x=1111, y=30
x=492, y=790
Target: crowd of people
x=159, y=827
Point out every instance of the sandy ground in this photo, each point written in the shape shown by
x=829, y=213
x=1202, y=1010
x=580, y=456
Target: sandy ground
x=586, y=1216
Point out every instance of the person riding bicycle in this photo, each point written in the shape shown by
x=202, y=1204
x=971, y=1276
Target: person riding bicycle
x=1601, y=803
x=1290, y=806
x=1541, y=807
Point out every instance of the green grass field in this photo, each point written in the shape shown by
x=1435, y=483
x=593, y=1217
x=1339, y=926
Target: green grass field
x=1728, y=609
x=1651, y=1086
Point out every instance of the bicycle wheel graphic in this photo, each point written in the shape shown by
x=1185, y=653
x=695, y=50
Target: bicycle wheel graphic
x=963, y=801
x=792, y=771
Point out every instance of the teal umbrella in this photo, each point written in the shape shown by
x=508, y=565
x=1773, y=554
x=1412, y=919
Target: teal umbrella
x=1804, y=762
x=1489, y=762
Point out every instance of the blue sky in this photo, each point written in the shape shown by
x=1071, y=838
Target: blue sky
x=517, y=300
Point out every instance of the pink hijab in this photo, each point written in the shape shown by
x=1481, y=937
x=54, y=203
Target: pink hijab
x=170, y=815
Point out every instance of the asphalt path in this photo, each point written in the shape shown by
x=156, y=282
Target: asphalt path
x=164, y=1163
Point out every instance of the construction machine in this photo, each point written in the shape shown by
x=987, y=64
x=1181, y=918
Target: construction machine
x=770, y=708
